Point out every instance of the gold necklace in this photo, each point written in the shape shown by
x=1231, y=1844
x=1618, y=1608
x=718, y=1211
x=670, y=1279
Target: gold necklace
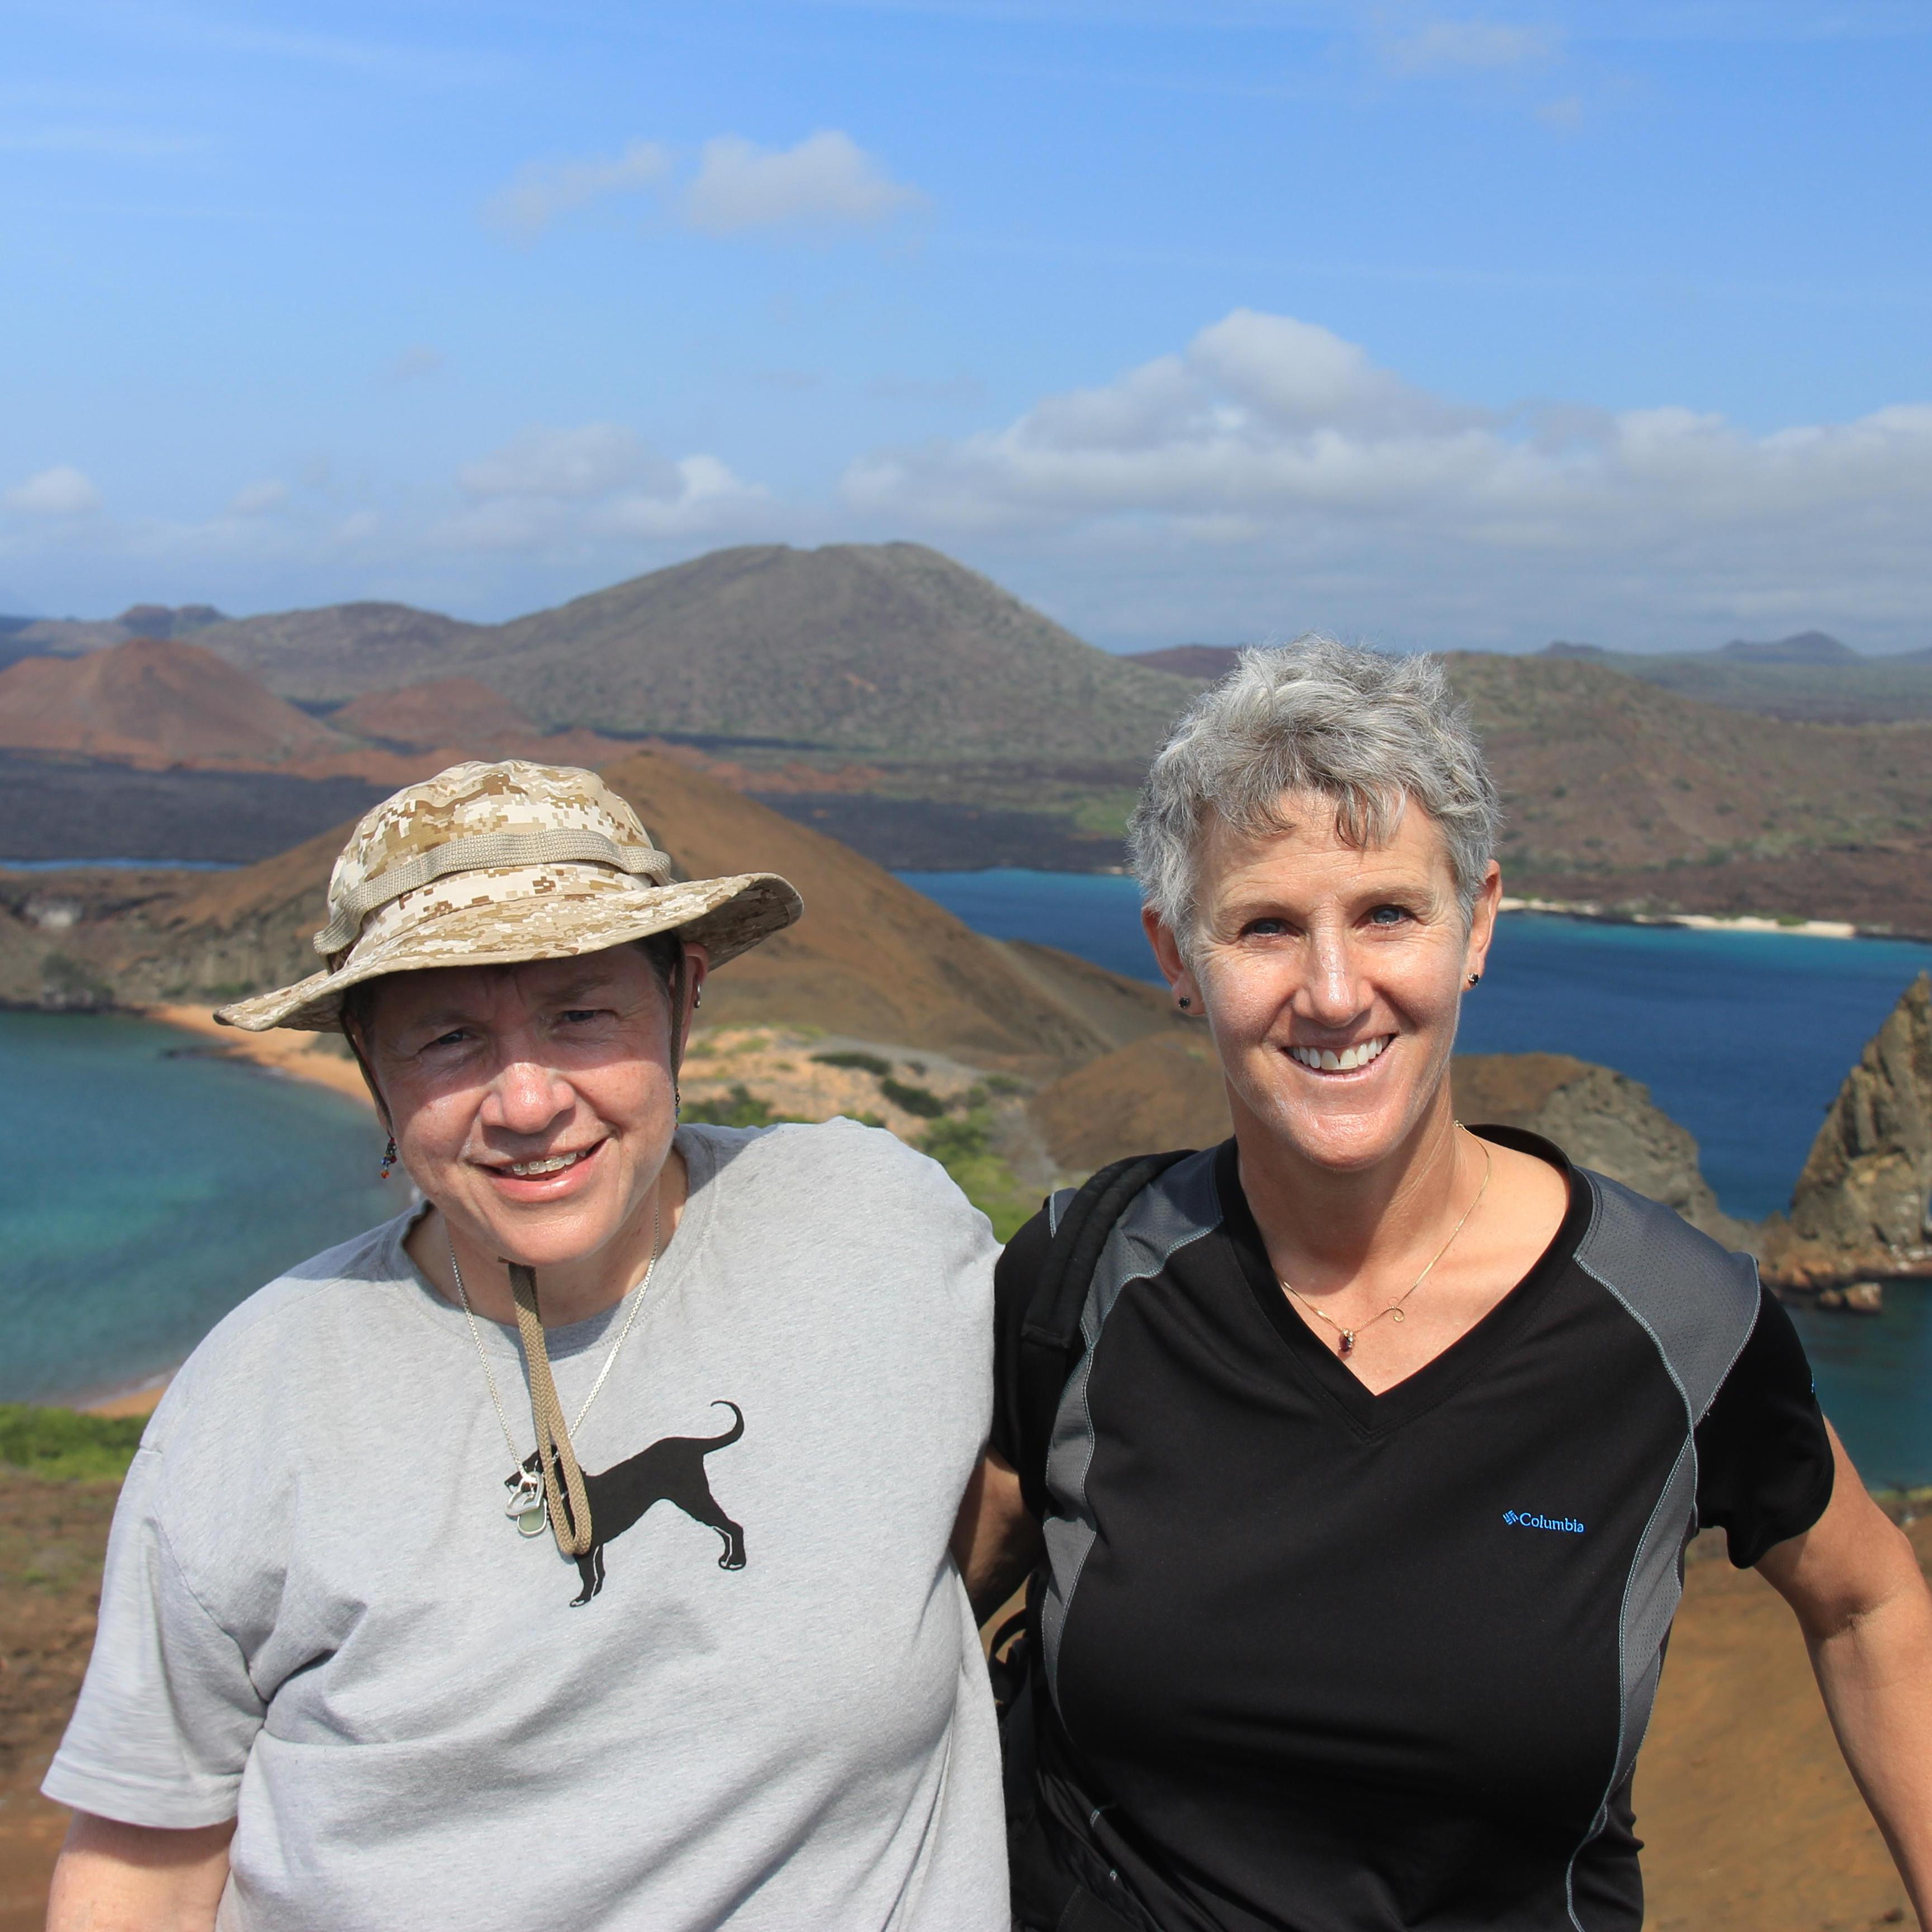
x=1345, y=1345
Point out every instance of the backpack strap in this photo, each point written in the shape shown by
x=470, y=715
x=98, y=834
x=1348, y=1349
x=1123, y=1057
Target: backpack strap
x=1049, y=1338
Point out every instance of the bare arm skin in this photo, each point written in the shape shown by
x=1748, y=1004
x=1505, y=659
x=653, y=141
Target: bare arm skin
x=133, y=1878
x=994, y=1541
x=1867, y=1616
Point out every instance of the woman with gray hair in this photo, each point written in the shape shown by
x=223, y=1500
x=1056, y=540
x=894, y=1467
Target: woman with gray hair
x=1354, y=1460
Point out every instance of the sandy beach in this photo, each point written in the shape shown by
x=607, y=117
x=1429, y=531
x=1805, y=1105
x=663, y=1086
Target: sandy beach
x=314, y=1056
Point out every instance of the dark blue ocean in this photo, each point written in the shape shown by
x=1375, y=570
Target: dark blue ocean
x=1743, y=1037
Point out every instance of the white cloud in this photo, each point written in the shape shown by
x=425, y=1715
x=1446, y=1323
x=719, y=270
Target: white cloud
x=589, y=461
x=1450, y=45
x=1269, y=452
x=61, y=491
x=594, y=483
x=827, y=179
x=542, y=190
x=257, y=500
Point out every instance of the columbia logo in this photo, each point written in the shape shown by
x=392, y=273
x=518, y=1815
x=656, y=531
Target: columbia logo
x=1525, y=1520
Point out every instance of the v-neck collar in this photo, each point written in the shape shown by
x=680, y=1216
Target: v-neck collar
x=1438, y=1378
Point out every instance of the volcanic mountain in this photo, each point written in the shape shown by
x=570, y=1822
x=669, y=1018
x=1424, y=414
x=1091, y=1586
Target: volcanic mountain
x=152, y=699
x=889, y=648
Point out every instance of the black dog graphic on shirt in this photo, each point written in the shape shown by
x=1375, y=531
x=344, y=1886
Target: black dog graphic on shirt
x=671, y=1471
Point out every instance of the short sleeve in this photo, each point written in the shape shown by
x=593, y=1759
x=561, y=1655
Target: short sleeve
x=1013, y=1279
x=167, y=1715
x=1764, y=1458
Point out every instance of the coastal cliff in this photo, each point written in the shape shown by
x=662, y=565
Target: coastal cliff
x=1860, y=1209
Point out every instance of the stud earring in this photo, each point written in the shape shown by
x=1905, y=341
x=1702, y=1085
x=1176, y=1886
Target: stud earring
x=1183, y=1003
x=389, y=1159
x=1475, y=978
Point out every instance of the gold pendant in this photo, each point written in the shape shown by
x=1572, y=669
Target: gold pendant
x=1395, y=1315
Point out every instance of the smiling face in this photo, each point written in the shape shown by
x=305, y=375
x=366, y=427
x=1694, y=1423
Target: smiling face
x=1332, y=978
x=533, y=1104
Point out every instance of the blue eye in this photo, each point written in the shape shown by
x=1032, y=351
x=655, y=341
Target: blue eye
x=1387, y=915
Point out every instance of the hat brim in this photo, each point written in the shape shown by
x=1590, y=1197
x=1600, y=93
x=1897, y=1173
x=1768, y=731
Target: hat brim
x=726, y=916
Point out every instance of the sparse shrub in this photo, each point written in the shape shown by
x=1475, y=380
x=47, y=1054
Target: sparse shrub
x=963, y=1147
x=919, y=1100
x=857, y=1063
x=739, y=1108
x=1004, y=1083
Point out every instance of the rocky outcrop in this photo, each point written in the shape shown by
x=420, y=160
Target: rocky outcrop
x=1861, y=1206
x=1167, y=1092
x=1602, y=1119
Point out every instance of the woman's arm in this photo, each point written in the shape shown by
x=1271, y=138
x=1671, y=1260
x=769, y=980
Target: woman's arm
x=995, y=1541
x=134, y=1878
x=1867, y=1616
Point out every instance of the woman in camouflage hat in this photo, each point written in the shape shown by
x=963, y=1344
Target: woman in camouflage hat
x=436, y=1595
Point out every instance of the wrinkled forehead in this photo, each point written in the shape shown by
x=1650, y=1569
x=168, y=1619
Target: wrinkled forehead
x=495, y=993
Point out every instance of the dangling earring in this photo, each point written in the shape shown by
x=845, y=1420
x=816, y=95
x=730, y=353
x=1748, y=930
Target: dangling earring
x=389, y=1159
x=676, y=1098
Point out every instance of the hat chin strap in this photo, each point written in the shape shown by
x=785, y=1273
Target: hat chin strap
x=569, y=1503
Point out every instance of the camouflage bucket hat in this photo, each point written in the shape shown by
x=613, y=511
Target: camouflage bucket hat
x=493, y=865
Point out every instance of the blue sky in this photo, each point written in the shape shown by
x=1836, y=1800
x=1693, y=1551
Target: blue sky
x=1431, y=325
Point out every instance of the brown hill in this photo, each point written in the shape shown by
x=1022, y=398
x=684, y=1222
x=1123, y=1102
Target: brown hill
x=445, y=711
x=882, y=648
x=871, y=957
x=1619, y=791
x=151, y=698
x=344, y=649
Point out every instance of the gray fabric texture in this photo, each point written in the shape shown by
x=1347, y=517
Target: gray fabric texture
x=1178, y=1207
x=317, y=1618
x=1698, y=1305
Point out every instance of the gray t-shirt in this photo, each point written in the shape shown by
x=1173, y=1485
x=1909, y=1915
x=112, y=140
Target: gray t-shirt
x=317, y=1618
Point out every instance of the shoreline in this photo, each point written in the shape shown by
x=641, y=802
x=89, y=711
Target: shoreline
x=283, y=1051
x=1699, y=921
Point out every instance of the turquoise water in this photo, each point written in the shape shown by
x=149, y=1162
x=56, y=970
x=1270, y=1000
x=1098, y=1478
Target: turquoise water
x=142, y=1196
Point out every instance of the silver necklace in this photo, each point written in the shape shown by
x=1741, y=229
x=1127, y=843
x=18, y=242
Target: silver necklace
x=1344, y=1344
x=526, y=1507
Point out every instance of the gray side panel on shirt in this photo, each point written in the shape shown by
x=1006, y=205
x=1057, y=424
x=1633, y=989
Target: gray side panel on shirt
x=1179, y=1207
x=1698, y=1305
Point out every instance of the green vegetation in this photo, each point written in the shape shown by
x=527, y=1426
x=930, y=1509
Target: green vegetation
x=920, y=1100
x=860, y=1062
x=964, y=1148
x=739, y=1108
x=66, y=1444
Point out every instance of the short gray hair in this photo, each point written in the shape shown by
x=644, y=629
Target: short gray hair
x=1369, y=731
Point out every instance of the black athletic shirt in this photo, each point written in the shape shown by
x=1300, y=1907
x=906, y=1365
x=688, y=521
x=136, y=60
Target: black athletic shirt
x=1338, y=1662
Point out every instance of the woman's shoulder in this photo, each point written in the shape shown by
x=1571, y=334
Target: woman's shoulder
x=856, y=1154
x=291, y=1312
x=1698, y=1301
